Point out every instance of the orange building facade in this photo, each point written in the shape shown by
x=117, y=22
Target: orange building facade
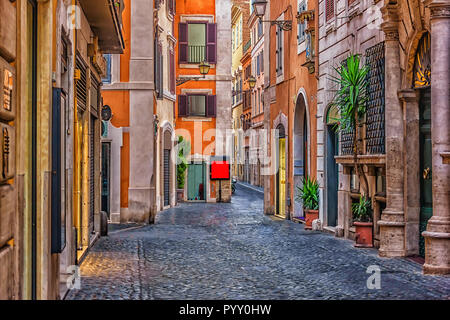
x=127, y=143
x=202, y=116
x=290, y=106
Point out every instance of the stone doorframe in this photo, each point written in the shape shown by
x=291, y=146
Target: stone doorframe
x=301, y=95
x=283, y=120
x=167, y=141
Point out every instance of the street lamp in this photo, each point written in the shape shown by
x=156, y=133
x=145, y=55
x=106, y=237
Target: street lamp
x=259, y=6
x=203, y=67
x=251, y=82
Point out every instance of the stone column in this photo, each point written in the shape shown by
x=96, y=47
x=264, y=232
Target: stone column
x=411, y=154
x=141, y=192
x=437, y=235
x=392, y=225
x=223, y=93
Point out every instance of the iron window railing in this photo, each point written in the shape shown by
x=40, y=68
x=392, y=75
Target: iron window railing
x=197, y=54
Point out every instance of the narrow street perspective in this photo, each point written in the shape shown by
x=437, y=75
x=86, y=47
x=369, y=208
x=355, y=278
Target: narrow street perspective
x=231, y=251
x=224, y=150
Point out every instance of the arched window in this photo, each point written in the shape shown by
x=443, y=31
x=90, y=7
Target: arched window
x=422, y=63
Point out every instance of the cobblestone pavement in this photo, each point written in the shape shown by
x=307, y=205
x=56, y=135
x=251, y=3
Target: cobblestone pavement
x=233, y=251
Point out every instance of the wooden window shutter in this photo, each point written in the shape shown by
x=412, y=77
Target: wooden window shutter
x=172, y=71
x=211, y=43
x=329, y=9
x=262, y=61
x=161, y=70
x=183, y=45
x=276, y=51
x=211, y=109
x=171, y=6
x=183, y=105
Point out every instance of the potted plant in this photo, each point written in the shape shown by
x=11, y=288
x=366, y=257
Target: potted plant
x=362, y=220
x=183, y=150
x=308, y=194
x=350, y=99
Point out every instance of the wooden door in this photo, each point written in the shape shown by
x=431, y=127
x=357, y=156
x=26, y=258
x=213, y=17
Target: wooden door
x=332, y=177
x=166, y=177
x=196, y=182
x=282, y=178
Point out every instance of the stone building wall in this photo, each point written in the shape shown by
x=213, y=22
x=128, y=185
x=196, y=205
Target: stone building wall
x=351, y=29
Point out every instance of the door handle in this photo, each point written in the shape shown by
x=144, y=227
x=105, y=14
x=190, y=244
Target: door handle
x=426, y=173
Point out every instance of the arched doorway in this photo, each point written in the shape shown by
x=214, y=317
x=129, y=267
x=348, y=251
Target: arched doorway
x=332, y=169
x=422, y=82
x=167, y=168
x=281, y=173
x=300, y=151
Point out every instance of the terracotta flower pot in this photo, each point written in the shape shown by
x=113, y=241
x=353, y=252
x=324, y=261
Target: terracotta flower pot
x=363, y=237
x=180, y=195
x=311, y=215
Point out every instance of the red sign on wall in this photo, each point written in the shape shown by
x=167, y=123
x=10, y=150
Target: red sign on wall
x=220, y=170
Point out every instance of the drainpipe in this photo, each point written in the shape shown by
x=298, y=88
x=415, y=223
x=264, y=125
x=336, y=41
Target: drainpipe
x=316, y=40
x=33, y=156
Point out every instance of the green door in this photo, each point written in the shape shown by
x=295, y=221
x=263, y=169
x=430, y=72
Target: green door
x=426, y=196
x=196, y=182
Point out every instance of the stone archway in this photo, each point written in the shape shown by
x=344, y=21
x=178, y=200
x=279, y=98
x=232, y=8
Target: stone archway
x=301, y=149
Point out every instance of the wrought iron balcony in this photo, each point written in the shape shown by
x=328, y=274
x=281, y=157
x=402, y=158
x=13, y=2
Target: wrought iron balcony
x=196, y=54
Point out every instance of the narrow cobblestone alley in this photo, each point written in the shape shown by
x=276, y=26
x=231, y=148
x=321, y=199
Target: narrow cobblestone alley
x=233, y=251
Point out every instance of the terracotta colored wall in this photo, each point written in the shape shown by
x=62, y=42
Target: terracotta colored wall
x=125, y=170
x=119, y=101
x=187, y=7
x=295, y=78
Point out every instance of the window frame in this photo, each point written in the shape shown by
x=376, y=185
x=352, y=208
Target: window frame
x=301, y=27
x=206, y=38
x=189, y=95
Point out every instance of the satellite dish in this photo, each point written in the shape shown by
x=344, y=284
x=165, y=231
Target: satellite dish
x=106, y=113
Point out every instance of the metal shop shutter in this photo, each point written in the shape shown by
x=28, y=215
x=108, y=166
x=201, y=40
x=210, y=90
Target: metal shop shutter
x=91, y=174
x=166, y=177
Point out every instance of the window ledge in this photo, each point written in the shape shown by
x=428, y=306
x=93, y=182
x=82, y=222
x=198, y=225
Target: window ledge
x=330, y=26
x=347, y=160
x=193, y=66
x=196, y=118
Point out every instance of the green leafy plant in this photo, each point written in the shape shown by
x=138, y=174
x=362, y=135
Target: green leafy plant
x=350, y=100
x=309, y=194
x=183, y=150
x=362, y=211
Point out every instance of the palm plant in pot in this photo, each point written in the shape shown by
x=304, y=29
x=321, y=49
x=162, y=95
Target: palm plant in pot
x=308, y=194
x=351, y=99
x=362, y=220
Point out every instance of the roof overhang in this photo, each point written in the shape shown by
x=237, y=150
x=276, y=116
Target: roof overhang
x=105, y=19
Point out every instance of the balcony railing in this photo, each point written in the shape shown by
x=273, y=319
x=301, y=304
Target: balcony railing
x=197, y=54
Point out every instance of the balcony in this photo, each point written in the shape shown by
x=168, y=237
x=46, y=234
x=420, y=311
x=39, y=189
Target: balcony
x=105, y=19
x=196, y=54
